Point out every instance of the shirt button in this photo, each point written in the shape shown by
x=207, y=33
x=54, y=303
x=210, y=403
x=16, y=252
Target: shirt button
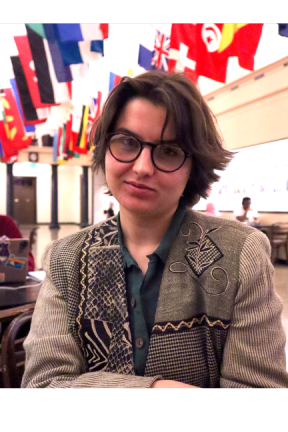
x=133, y=302
x=139, y=343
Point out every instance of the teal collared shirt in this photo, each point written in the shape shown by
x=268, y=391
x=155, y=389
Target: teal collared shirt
x=142, y=293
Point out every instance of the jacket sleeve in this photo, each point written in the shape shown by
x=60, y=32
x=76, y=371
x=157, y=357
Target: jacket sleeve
x=254, y=353
x=53, y=358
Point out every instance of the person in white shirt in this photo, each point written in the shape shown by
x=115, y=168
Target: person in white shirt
x=246, y=214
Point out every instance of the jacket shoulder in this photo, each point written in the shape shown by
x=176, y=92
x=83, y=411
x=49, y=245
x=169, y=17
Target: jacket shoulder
x=207, y=221
x=68, y=249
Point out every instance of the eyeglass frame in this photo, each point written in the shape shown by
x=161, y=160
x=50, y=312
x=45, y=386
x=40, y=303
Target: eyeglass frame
x=142, y=143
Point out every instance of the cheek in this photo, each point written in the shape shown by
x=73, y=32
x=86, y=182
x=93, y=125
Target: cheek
x=184, y=175
x=114, y=169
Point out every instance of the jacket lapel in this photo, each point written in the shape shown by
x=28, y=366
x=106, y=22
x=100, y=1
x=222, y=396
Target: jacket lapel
x=102, y=320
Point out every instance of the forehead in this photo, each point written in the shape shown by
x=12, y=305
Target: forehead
x=146, y=119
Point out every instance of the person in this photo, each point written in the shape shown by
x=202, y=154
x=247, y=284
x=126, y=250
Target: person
x=160, y=295
x=110, y=212
x=211, y=210
x=246, y=214
x=9, y=228
x=210, y=207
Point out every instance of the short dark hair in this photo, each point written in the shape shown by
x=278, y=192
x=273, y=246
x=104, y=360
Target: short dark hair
x=245, y=199
x=196, y=126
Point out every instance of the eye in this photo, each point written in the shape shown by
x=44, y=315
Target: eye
x=129, y=141
x=169, y=151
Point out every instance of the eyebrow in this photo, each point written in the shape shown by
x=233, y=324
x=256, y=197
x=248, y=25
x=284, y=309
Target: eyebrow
x=134, y=134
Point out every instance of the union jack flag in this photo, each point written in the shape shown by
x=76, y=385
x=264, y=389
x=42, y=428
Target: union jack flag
x=161, y=51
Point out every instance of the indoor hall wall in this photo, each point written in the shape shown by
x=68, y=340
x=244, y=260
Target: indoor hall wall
x=69, y=193
x=3, y=186
x=42, y=172
x=254, y=109
x=68, y=190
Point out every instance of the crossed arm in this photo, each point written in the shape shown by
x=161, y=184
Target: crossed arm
x=254, y=354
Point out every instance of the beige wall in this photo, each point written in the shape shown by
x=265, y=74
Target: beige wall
x=254, y=109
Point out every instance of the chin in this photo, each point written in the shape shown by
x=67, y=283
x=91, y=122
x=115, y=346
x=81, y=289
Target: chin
x=140, y=208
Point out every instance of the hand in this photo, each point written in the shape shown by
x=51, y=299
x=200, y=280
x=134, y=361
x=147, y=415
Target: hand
x=171, y=384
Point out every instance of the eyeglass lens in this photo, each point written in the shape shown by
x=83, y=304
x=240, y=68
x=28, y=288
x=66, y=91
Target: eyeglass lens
x=166, y=157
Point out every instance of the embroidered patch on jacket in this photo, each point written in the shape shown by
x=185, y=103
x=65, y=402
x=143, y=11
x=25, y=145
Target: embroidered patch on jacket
x=202, y=253
x=183, y=325
x=97, y=337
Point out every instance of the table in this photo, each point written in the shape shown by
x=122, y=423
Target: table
x=17, y=298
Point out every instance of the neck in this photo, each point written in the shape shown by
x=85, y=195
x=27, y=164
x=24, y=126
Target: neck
x=142, y=230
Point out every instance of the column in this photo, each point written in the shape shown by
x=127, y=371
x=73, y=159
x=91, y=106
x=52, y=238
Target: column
x=54, y=199
x=84, y=201
x=9, y=190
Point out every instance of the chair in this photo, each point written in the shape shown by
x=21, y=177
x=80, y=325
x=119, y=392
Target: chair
x=32, y=237
x=279, y=238
x=12, y=351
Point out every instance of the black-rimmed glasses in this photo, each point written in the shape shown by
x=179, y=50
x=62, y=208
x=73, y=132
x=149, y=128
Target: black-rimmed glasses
x=165, y=157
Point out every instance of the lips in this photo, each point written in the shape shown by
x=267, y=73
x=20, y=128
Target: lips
x=139, y=185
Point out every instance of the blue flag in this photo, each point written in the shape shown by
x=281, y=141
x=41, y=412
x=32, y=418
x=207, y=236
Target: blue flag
x=283, y=29
x=145, y=57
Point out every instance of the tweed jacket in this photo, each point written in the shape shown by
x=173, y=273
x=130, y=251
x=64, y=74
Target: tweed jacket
x=217, y=322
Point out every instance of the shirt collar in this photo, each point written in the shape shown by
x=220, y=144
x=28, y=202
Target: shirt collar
x=164, y=247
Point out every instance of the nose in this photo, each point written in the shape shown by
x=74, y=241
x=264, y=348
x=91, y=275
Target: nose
x=143, y=165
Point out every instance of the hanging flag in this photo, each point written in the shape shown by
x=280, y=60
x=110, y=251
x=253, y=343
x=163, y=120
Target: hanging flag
x=68, y=137
x=2, y=154
x=97, y=46
x=207, y=47
x=114, y=80
x=182, y=53
x=61, y=156
x=80, y=52
x=74, y=49
x=81, y=144
x=13, y=123
x=78, y=123
x=36, y=43
x=8, y=154
x=82, y=32
x=283, y=29
x=31, y=116
x=145, y=57
x=241, y=40
x=55, y=146
x=157, y=58
x=63, y=72
x=94, y=107
x=51, y=91
x=28, y=66
x=28, y=128
x=12, y=132
x=161, y=51
x=94, y=112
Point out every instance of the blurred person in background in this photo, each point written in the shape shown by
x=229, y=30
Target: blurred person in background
x=210, y=207
x=110, y=212
x=160, y=295
x=246, y=214
x=211, y=210
x=9, y=229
